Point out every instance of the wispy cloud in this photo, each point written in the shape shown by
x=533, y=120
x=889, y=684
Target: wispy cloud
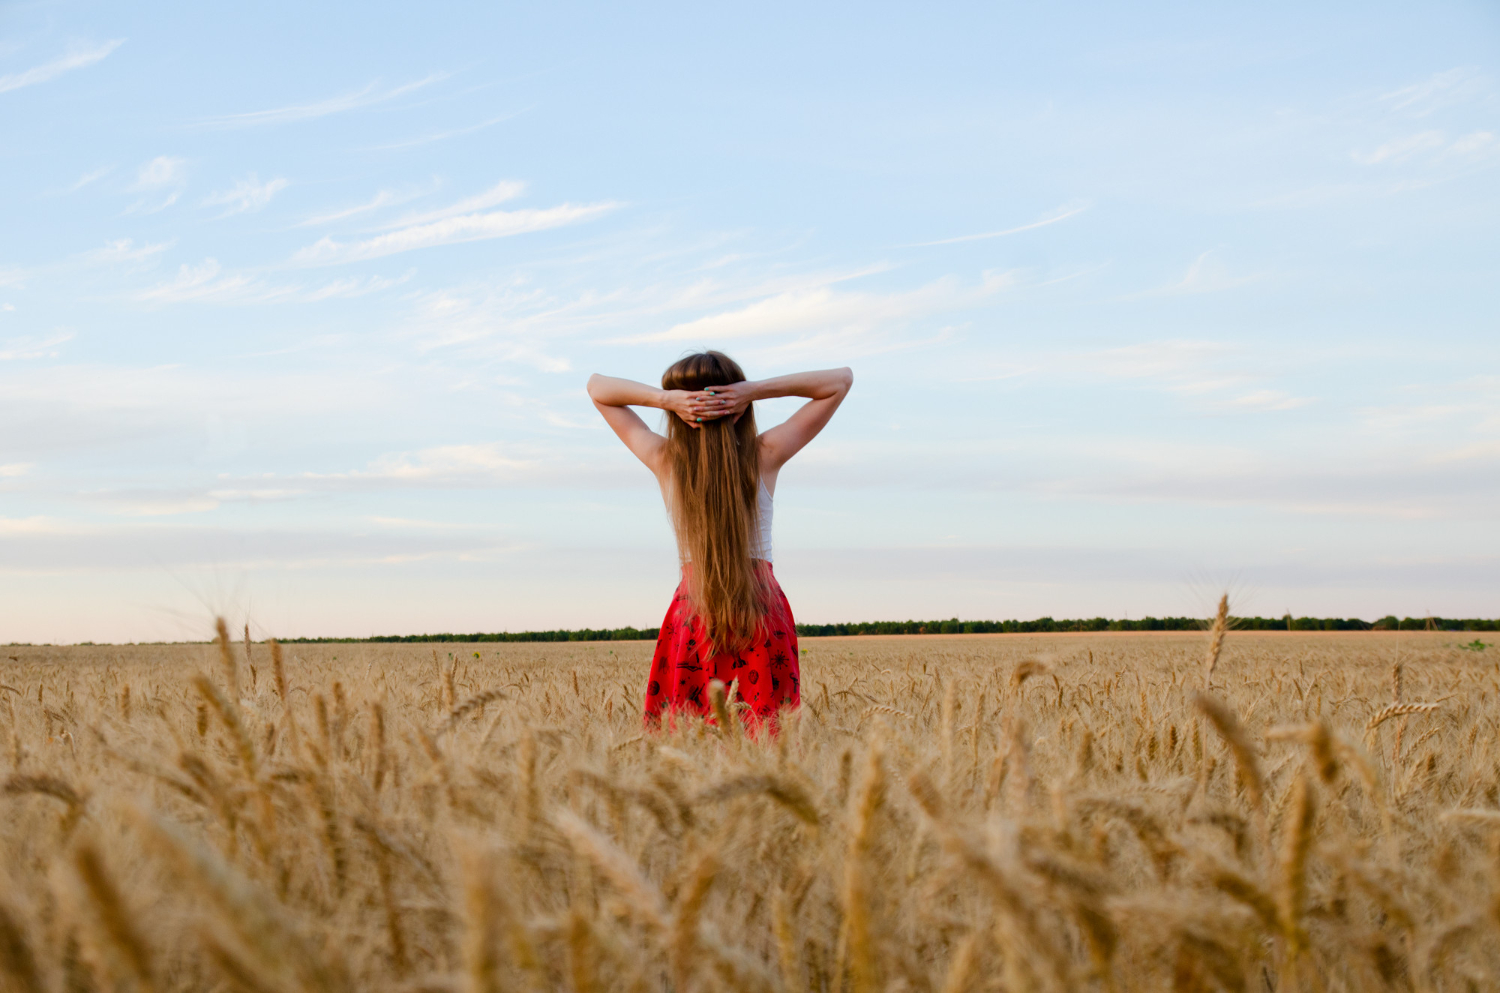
x=1440, y=90
x=480, y=463
x=206, y=282
x=32, y=347
x=247, y=195
x=1062, y=213
x=1401, y=149
x=450, y=231
x=90, y=177
x=1206, y=371
x=1430, y=146
x=123, y=250
x=369, y=96
x=15, y=469
x=75, y=59
x=33, y=525
x=1205, y=274
x=506, y=189
x=442, y=135
x=159, y=173
x=385, y=198
x=164, y=174
x=829, y=311
x=1269, y=400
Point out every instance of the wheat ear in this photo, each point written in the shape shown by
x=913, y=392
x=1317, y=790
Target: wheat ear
x=645, y=900
x=114, y=917
x=785, y=791
x=1216, y=640
x=784, y=929
x=226, y=657
x=1239, y=744
x=1296, y=842
x=17, y=962
x=230, y=715
x=686, y=914
x=859, y=937
x=1399, y=710
x=477, y=702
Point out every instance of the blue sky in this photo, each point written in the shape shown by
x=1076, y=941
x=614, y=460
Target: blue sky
x=1143, y=301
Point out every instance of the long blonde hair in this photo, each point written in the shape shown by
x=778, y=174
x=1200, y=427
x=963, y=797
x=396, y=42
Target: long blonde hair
x=714, y=482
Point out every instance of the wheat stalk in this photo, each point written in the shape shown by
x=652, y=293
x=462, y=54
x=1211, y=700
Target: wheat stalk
x=782, y=789
x=1399, y=710
x=114, y=919
x=1216, y=640
x=646, y=901
x=1296, y=842
x=226, y=658
x=17, y=960
x=1234, y=735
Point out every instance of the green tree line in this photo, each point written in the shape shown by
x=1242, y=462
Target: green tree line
x=1042, y=625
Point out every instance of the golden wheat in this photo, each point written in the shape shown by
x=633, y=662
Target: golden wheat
x=944, y=814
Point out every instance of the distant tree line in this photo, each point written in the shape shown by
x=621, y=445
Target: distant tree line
x=1048, y=625
x=1043, y=625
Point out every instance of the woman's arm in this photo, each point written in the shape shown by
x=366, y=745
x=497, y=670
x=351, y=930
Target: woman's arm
x=825, y=390
x=614, y=397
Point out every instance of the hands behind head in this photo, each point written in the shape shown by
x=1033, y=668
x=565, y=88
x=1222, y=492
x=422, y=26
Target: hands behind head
x=698, y=406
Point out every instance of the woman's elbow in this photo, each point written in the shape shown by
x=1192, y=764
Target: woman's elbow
x=592, y=385
x=846, y=378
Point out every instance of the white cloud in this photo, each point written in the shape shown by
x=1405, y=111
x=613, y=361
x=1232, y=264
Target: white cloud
x=1206, y=274
x=33, y=525
x=1062, y=213
x=124, y=250
x=90, y=177
x=448, y=461
x=451, y=231
x=162, y=508
x=385, y=198
x=164, y=174
x=484, y=464
x=1204, y=370
x=830, y=311
x=246, y=195
x=196, y=282
x=1172, y=359
x=366, y=97
x=77, y=59
x=1469, y=144
x=15, y=469
x=44, y=347
x=159, y=173
x=1402, y=149
x=1443, y=89
x=1269, y=400
x=255, y=495
x=442, y=135
x=502, y=191
x=204, y=283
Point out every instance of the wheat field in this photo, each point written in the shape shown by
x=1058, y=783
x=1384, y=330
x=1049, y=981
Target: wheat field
x=944, y=814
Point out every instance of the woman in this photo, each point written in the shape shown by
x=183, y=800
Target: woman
x=729, y=619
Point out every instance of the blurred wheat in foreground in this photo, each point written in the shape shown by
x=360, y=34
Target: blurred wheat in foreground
x=1269, y=812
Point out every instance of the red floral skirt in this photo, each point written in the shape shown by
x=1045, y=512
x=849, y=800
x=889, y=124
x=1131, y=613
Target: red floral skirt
x=767, y=670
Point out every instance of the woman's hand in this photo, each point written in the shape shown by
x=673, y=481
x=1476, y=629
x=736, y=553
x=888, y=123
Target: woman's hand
x=723, y=401
x=686, y=404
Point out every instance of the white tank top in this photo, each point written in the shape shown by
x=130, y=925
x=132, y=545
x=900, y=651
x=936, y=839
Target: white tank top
x=760, y=541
